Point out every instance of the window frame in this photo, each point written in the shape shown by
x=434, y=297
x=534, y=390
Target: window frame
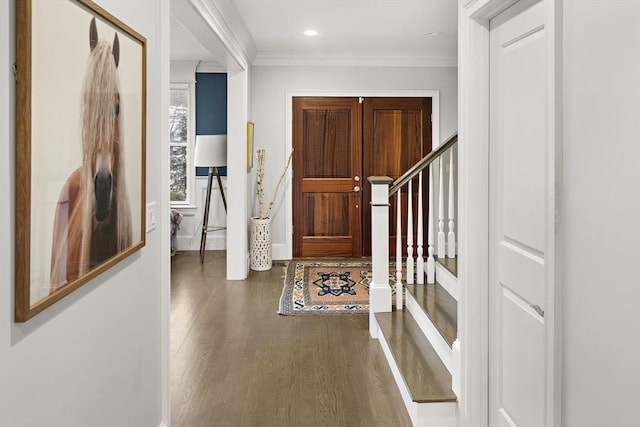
x=189, y=87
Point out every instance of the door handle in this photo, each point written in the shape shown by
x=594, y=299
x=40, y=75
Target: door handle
x=356, y=178
x=356, y=189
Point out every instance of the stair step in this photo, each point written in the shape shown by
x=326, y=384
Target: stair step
x=423, y=373
x=450, y=264
x=440, y=307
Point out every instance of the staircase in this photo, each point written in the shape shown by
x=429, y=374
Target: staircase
x=419, y=335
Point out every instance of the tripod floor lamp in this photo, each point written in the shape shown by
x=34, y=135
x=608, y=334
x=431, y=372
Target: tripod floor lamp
x=211, y=152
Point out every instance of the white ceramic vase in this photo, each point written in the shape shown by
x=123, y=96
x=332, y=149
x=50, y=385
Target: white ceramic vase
x=260, y=244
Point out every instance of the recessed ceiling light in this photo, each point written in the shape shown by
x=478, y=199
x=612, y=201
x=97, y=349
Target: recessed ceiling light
x=432, y=33
x=310, y=33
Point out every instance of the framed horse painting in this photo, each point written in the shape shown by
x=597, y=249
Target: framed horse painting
x=80, y=147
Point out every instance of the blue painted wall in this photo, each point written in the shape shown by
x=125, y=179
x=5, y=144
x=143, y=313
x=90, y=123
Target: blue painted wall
x=211, y=108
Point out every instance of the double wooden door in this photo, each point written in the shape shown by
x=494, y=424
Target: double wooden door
x=338, y=143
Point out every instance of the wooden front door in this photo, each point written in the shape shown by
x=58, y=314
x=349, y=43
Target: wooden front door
x=327, y=177
x=338, y=143
x=397, y=134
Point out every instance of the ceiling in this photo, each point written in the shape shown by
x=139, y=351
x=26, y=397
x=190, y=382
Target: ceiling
x=366, y=32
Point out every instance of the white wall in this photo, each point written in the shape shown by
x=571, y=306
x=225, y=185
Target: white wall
x=98, y=357
x=190, y=231
x=270, y=85
x=238, y=178
x=601, y=213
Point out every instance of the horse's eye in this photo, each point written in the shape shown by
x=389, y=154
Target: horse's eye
x=117, y=109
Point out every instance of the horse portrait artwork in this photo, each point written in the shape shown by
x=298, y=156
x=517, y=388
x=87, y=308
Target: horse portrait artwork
x=93, y=216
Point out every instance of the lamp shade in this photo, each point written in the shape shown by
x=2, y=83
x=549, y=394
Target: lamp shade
x=211, y=150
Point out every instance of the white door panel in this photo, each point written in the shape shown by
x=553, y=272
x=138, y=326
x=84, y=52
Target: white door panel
x=518, y=215
x=523, y=140
x=523, y=361
x=526, y=23
x=522, y=272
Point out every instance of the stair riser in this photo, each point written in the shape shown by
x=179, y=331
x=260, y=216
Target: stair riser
x=422, y=414
x=448, y=281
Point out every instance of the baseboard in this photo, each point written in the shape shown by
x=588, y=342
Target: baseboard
x=214, y=243
x=219, y=243
x=455, y=368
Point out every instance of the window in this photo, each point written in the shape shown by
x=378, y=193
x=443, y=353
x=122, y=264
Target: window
x=180, y=130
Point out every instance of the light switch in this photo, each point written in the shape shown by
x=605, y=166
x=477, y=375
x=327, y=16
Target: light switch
x=151, y=216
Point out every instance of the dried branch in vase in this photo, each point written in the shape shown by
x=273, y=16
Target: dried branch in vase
x=260, y=181
x=262, y=213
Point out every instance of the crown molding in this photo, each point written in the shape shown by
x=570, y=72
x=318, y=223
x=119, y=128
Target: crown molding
x=183, y=71
x=486, y=9
x=240, y=48
x=231, y=16
x=210, y=67
x=355, y=60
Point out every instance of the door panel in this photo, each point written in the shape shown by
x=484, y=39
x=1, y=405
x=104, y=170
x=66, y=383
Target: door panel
x=518, y=219
x=327, y=142
x=397, y=133
x=522, y=362
x=522, y=271
x=327, y=160
x=323, y=225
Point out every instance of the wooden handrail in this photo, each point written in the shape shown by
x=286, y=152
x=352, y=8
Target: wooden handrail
x=423, y=163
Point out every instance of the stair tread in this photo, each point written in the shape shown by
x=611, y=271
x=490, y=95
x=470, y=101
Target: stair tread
x=450, y=264
x=424, y=374
x=440, y=307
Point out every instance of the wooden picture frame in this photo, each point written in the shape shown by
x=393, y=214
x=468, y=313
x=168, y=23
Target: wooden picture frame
x=249, y=145
x=80, y=148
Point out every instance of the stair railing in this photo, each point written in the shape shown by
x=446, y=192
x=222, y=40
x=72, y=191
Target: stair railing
x=382, y=189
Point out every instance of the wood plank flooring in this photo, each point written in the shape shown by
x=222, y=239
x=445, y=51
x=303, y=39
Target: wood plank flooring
x=236, y=362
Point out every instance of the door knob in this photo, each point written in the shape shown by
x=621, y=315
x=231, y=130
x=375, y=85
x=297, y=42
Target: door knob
x=356, y=189
x=356, y=178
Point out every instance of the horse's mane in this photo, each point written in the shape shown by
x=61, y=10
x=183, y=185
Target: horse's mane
x=100, y=93
x=101, y=130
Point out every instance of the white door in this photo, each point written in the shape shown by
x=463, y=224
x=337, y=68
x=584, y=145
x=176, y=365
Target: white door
x=519, y=190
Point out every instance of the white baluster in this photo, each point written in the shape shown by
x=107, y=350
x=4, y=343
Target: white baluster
x=441, y=242
x=419, y=249
x=431, y=264
x=409, y=234
x=451, y=236
x=399, y=253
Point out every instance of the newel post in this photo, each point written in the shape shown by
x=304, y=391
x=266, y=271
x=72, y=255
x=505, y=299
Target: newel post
x=379, y=289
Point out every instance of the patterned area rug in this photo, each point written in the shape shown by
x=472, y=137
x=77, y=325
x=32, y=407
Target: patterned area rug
x=312, y=288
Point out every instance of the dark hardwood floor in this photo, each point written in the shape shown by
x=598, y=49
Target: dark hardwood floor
x=236, y=362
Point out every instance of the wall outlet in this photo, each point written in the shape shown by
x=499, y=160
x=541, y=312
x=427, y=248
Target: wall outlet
x=151, y=216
